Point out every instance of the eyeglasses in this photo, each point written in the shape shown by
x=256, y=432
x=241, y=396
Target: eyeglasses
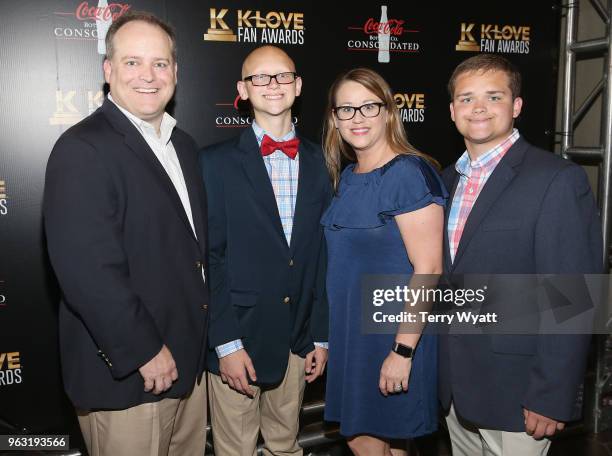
x=265, y=79
x=366, y=110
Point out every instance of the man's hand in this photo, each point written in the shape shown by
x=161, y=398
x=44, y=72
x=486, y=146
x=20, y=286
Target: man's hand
x=314, y=365
x=394, y=374
x=159, y=372
x=234, y=368
x=539, y=426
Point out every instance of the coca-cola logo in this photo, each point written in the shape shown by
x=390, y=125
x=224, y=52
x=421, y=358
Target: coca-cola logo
x=393, y=27
x=84, y=12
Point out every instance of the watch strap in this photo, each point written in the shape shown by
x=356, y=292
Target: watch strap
x=402, y=350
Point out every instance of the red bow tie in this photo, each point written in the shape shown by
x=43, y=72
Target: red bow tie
x=289, y=148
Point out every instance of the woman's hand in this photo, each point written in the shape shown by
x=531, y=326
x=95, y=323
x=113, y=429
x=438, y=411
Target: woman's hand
x=394, y=374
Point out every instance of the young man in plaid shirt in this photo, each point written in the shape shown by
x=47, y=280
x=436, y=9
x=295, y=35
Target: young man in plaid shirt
x=267, y=190
x=515, y=209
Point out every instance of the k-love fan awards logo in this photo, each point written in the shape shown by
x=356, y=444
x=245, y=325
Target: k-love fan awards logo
x=494, y=38
x=93, y=22
x=66, y=102
x=411, y=107
x=10, y=368
x=385, y=36
x=254, y=26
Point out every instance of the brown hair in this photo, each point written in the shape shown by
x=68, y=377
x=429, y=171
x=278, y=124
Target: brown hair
x=335, y=148
x=142, y=16
x=487, y=62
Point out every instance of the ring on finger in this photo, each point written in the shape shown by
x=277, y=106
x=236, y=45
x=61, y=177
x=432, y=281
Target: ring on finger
x=397, y=388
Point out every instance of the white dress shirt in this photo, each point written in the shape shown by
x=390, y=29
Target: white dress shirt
x=164, y=151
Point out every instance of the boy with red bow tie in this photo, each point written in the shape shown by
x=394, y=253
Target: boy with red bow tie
x=267, y=190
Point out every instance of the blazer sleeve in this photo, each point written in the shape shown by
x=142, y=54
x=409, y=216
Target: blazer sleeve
x=223, y=324
x=83, y=228
x=319, y=318
x=568, y=240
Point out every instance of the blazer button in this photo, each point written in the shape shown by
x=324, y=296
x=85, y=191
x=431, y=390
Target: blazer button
x=205, y=306
x=286, y=300
x=198, y=265
x=291, y=262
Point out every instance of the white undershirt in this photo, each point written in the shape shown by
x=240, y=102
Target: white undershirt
x=164, y=151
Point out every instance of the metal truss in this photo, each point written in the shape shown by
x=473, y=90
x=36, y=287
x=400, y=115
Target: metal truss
x=598, y=387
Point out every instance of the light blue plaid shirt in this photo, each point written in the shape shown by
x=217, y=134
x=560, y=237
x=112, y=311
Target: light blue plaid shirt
x=283, y=172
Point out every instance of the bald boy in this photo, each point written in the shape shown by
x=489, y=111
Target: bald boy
x=267, y=190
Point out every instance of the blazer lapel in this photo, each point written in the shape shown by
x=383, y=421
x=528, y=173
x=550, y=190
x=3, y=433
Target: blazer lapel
x=194, y=186
x=306, y=179
x=451, y=184
x=496, y=184
x=135, y=141
x=255, y=169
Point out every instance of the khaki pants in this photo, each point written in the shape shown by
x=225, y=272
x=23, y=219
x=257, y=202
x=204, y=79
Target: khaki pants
x=237, y=419
x=170, y=427
x=467, y=440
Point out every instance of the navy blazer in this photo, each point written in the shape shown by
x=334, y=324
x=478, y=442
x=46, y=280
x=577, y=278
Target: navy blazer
x=535, y=215
x=127, y=261
x=263, y=291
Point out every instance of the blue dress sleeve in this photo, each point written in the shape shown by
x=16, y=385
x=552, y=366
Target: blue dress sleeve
x=371, y=200
x=408, y=184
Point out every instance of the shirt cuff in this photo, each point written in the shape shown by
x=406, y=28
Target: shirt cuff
x=229, y=348
x=324, y=345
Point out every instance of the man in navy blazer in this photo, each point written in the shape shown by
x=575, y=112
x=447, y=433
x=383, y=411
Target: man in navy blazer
x=267, y=190
x=125, y=220
x=515, y=209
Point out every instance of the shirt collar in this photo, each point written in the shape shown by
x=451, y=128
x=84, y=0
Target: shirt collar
x=489, y=159
x=260, y=132
x=167, y=124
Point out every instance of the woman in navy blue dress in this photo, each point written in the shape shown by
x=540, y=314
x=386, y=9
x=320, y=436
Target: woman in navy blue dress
x=386, y=218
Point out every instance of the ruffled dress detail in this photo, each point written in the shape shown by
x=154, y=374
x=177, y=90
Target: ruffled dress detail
x=363, y=238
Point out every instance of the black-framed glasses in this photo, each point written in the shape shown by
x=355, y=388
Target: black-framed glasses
x=264, y=79
x=366, y=110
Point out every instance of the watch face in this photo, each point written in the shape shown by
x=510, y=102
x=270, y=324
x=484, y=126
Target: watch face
x=402, y=350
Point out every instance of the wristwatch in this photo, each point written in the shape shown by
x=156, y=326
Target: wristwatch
x=402, y=350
